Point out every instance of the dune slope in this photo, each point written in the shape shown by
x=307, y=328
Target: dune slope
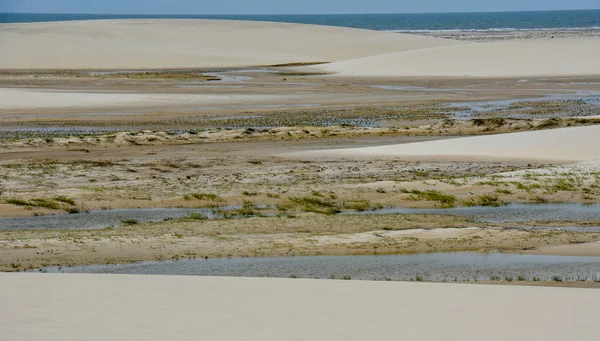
x=139, y=44
x=526, y=58
x=565, y=144
x=108, y=307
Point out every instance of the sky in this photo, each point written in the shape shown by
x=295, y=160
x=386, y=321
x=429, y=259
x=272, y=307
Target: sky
x=285, y=6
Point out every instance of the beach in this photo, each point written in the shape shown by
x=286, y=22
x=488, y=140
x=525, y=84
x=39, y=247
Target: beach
x=512, y=34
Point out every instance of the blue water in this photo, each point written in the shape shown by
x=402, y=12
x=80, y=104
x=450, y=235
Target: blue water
x=383, y=22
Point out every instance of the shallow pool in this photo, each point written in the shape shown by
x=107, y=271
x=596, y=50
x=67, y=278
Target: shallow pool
x=511, y=213
x=438, y=267
x=98, y=219
x=467, y=110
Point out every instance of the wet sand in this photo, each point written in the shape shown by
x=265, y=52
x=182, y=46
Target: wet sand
x=485, y=36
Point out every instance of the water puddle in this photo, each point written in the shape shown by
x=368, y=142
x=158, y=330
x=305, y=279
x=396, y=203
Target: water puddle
x=511, y=213
x=192, y=86
x=118, y=72
x=584, y=83
x=246, y=117
x=416, y=88
x=254, y=71
x=89, y=114
x=104, y=219
x=72, y=130
x=308, y=105
x=225, y=78
x=435, y=267
x=257, y=106
x=211, y=85
x=466, y=110
x=18, y=133
x=587, y=229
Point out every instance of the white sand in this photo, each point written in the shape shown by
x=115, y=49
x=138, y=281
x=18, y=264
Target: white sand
x=139, y=44
x=526, y=58
x=564, y=144
x=47, y=99
x=104, y=307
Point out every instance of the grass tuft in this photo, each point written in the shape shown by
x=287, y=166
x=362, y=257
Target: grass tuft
x=485, y=200
x=65, y=200
x=432, y=195
x=202, y=196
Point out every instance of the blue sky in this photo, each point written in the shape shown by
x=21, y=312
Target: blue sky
x=285, y=6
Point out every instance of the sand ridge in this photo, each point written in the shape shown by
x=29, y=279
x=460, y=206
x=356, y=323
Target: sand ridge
x=565, y=144
x=51, y=99
x=162, y=43
x=518, y=58
x=167, y=43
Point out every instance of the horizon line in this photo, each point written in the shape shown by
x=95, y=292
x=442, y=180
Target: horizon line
x=275, y=14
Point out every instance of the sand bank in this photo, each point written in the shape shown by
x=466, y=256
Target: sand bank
x=51, y=99
x=105, y=307
x=521, y=58
x=139, y=44
x=564, y=144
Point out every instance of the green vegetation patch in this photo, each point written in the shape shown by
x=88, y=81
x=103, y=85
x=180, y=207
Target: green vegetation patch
x=433, y=195
x=492, y=200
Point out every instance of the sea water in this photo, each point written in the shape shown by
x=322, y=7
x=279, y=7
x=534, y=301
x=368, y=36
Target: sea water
x=493, y=21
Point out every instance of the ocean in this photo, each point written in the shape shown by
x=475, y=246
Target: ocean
x=496, y=21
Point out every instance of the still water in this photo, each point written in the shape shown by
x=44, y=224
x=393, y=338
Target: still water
x=437, y=267
x=513, y=213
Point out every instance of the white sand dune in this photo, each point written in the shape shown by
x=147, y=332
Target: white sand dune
x=48, y=99
x=108, y=307
x=526, y=58
x=564, y=144
x=139, y=44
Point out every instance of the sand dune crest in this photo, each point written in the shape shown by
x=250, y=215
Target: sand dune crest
x=526, y=58
x=139, y=44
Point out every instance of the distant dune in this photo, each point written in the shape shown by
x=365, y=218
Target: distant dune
x=565, y=144
x=523, y=58
x=139, y=44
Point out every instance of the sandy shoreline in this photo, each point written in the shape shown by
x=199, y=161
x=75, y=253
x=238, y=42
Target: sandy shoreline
x=501, y=35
